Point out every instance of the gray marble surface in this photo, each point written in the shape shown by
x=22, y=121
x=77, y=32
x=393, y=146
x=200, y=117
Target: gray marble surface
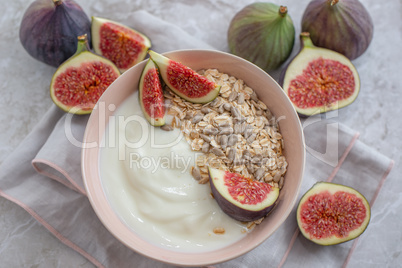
x=375, y=114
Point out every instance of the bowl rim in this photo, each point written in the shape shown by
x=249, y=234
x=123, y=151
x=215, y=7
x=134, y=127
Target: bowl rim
x=95, y=192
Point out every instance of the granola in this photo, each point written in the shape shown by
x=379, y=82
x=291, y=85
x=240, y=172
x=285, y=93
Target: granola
x=235, y=132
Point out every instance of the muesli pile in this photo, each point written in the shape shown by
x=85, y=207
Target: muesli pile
x=234, y=132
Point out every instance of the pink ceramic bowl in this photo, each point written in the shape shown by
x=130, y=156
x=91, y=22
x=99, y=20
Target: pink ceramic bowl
x=268, y=91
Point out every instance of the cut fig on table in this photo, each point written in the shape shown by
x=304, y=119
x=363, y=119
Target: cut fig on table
x=123, y=45
x=318, y=80
x=330, y=213
x=80, y=81
x=151, y=95
x=184, y=81
x=242, y=198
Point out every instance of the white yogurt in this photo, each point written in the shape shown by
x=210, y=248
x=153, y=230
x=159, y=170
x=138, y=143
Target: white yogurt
x=145, y=172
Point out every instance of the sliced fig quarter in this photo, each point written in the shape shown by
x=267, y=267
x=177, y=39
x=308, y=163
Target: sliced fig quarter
x=318, y=80
x=151, y=95
x=184, y=81
x=80, y=81
x=242, y=198
x=330, y=213
x=123, y=45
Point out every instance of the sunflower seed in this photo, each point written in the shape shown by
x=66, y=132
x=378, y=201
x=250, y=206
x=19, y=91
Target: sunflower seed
x=206, y=138
x=232, y=154
x=205, y=147
x=223, y=141
x=259, y=173
x=195, y=171
x=167, y=127
x=226, y=131
x=218, y=152
x=197, y=118
x=237, y=128
x=232, y=140
x=277, y=177
x=280, y=183
x=206, y=110
x=210, y=131
x=235, y=112
x=227, y=106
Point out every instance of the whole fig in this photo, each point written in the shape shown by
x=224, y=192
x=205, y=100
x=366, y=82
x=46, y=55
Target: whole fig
x=344, y=26
x=262, y=33
x=49, y=30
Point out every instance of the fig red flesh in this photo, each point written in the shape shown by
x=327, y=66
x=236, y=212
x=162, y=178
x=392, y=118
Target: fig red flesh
x=83, y=85
x=322, y=82
x=119, y=43
x=80, y=81
x=194, y=86
x=184, y=81
x=116, y=36
x=318, y=80
x=151, y=95
x=240, y=197
x=342, y=213
x=246, y=190
x=331, y=213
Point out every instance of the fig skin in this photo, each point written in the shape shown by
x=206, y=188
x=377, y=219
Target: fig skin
x=232, y=207
x=262, y=33
x=332, y=188
x=309, y=52
x=84, y=94
x=49, y=30
x=344, y=26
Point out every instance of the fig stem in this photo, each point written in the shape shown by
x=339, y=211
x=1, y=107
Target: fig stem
x=306, y=40
x=57, y=2
x=82, y=44
x=333, y=2
x=283, y=11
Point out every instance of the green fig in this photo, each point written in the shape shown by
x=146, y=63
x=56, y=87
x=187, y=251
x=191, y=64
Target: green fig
x=262, y=33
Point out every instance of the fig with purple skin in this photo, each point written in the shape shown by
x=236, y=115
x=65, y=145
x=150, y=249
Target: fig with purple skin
x=318, y=80
x=242, y=198
x=49, y=30
x=80, y=81
x=330, y=214
x=124, y=46
x=151, y=95
x=184, y=81
x=344, y=26
x=262, y=33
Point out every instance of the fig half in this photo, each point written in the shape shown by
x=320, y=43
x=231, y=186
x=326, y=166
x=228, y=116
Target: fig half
x=184, y=81
x=330, y=214
x=318, y=80
x=80, y=81
x=151, y=95
x=123, y=45
x=242, y=198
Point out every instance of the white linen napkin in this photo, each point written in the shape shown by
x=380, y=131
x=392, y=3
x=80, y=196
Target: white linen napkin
x=43, y=176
